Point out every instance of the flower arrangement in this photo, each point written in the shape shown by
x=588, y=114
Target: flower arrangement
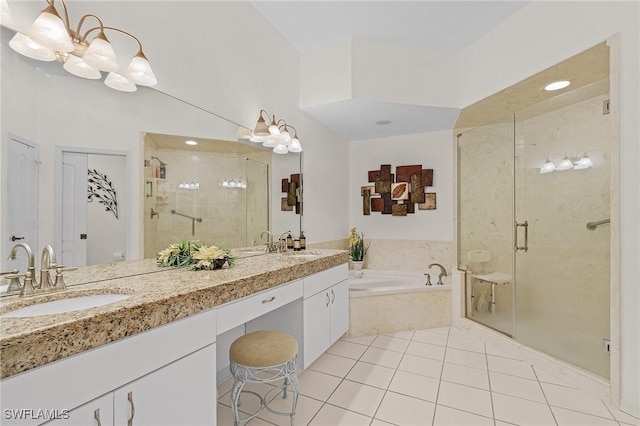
x=357, y=247
x=194, y=254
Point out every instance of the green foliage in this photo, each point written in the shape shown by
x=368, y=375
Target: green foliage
x=357, y=247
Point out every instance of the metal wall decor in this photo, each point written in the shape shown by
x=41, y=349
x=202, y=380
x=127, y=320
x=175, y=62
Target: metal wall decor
x=398, y=193
x=100, y=188
x=291, y=187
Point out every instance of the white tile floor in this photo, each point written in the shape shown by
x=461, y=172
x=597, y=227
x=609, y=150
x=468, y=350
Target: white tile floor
x=439, y=376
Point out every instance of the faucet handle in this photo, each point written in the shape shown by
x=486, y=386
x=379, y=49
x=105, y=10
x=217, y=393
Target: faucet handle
x=428, y=279
x=12, y=272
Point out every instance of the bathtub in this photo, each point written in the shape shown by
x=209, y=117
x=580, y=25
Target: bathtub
x=375, y=282
x=395, y=301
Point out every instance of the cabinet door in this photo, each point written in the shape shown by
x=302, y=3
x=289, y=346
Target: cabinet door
x=339, y=310
x=181, y=393
x=317, y=335
x=98, y=412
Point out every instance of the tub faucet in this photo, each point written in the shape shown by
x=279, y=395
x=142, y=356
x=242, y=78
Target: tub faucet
x=47, y=261
x=443, y=272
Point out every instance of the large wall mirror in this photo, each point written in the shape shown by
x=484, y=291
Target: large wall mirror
x=55, y=125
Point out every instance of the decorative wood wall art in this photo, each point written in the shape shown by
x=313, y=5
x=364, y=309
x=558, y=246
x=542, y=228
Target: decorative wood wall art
x=291, y=187
x=398, y=193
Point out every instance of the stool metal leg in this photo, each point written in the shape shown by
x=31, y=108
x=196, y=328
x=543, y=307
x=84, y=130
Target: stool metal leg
x=235, y=400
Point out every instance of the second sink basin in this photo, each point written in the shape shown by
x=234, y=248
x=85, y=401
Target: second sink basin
x=65, y=305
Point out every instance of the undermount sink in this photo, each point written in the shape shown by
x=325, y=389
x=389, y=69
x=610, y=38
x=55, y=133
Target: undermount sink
x=65, y=305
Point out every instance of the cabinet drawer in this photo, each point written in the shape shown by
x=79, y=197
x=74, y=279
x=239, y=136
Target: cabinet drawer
x=238, y=312
x=325, y=279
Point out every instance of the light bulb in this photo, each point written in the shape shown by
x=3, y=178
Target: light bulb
x=270, y=142
x=118, y=82
x=80, y=68
x=280, y=149
x=565, y=164
x=49, y=31
x=25, y=46
x=139, y=71
x=295, y=145
x=100, y=54
x=256, y=138
x=583, y=163
x=547, y=167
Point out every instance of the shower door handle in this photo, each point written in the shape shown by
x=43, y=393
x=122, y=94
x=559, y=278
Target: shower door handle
x=525, y=225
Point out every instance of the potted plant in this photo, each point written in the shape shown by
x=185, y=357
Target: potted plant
x=357, y=249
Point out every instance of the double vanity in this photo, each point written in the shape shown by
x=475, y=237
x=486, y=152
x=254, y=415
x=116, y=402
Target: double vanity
x=154, y=353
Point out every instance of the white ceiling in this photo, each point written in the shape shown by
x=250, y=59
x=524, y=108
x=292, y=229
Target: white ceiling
x=445, y=25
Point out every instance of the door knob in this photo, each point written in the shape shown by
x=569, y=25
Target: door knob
x=14, y=238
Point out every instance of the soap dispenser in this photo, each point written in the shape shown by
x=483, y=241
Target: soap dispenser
x=303, y=241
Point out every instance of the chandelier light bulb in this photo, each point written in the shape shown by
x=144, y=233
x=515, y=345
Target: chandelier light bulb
x=139, y=71
x=583, y=163
x=295, y=145
x=80, y=68
x=547, y=167
x=118, y=82
x=25, y=46
x=100, y=54
x=5, y=13
x=270, y=142
x=280, y=149
x=49, y=31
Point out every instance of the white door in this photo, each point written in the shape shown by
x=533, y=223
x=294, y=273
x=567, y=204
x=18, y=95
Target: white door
x=22, y=201
x=74, y=209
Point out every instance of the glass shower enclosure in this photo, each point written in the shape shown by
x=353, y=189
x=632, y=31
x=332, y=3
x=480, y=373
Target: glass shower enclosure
x=533, y=232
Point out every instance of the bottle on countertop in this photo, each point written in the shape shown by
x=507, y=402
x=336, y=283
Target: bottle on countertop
x=296, y=245
x=303, y=241
x=289, y=241
x=163, y=172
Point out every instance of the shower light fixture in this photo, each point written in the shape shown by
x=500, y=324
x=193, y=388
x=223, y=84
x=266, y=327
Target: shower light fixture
x=578, y=163
x=276, y=135
x=192, y=143
x=51, y=38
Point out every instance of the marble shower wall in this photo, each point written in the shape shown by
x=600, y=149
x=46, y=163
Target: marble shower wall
x=231, y=217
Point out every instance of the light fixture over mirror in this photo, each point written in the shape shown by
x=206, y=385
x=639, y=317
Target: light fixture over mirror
x=51, y=38
x=276, y=135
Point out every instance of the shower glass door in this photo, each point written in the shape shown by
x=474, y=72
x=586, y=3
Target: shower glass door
x=562, y=267
x=485, y=221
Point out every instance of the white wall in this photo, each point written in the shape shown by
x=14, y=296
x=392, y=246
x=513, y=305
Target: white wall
x=541, y=35
x=432, y=150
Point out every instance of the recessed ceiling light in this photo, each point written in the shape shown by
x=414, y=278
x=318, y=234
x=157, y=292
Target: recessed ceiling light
x=191, y=142
x=557, y=85
x=383, y=122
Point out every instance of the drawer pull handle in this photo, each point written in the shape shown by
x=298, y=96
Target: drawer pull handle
x=96, y=415
x=133, y=408
x=333, y=296
x=271, y=299
x=328, y=299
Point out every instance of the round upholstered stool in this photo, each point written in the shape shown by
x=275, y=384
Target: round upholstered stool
x=263, y=356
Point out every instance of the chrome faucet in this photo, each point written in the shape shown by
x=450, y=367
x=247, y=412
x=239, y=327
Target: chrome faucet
x=29, y=277
x=47, y=261
x=443, y=272
x=270, y=246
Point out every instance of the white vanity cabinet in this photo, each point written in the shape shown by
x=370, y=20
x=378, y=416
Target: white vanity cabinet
x=169, y=371
x=325, y=308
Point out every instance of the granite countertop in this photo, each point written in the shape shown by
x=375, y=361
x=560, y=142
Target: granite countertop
x=156, y=298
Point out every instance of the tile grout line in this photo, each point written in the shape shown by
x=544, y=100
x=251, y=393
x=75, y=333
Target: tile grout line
x=435, y=409
x=342, y=379
x=544, y=395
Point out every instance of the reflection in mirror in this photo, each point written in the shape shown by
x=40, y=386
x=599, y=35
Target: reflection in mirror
x=55, y=112
x=213, y=191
